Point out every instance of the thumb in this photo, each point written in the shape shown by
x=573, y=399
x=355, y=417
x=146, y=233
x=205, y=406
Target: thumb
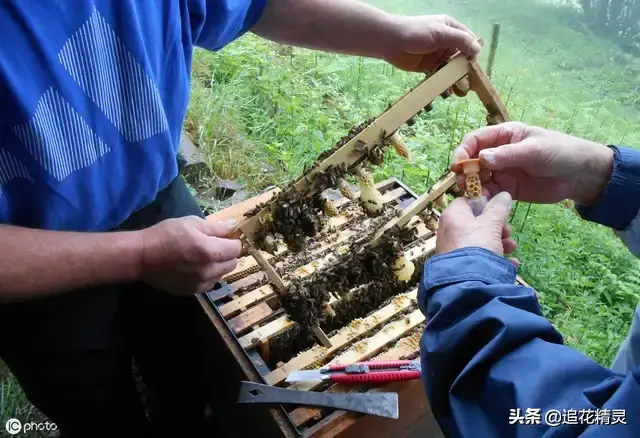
x=447, y=37
x=499, y=208
x=520, y=154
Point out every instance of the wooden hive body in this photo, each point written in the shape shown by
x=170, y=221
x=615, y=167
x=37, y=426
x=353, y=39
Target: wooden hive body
x=247, y=309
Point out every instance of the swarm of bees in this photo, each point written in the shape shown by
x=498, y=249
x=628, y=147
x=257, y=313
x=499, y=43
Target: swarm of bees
x=369, y=275
x=306, y=299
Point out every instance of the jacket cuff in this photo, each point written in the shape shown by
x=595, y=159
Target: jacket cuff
x=620, y=200
x=468, y=264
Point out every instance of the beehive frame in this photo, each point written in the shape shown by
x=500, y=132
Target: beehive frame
x=246, y=309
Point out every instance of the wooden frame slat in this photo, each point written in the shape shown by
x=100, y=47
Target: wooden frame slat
x=265, y=292
x=266, y=332
x=249, y=263
x=342, y=338
x=251, y=317
x=368, y=347
x=482, y=86
x=418, y=205
x=284, y=323
x=271, y=273
x=388, y=122
x=255, y=296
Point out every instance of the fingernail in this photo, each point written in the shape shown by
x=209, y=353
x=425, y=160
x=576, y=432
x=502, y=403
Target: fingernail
x=503, y=198
x=458, y=155
x=489, y=156
x=476, y=47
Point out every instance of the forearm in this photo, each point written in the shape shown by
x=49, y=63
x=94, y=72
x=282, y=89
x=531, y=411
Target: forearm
x=36, y=262
x=343, y=26
x=489, y=350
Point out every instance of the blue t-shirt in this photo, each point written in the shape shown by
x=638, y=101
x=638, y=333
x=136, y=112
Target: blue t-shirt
x=93, y=96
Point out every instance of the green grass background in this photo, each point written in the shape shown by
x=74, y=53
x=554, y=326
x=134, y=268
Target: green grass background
x=261, y=112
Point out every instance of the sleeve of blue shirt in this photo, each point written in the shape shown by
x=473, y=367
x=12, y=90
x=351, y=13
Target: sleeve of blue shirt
x=487, y=349
x=216, y=23
x=619, y=206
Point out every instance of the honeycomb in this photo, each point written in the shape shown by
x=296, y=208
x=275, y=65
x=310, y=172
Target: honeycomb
x=474, y=187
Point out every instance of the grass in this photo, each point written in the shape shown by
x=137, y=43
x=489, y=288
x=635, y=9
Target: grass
x=261, y=113
x=14, y=403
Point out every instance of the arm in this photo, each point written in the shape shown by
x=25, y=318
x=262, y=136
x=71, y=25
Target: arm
x=487, y=349
x=38, y=262
x=348, y=27
x=181, y=256
x=356, y=28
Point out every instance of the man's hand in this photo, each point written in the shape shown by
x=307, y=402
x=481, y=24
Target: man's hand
x=187, y=256
x=535, y=164
x=424, y=42
x=459, y=228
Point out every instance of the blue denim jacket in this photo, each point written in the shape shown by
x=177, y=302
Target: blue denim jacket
x=494, y=366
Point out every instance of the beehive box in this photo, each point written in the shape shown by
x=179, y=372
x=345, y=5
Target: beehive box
x=387, y=325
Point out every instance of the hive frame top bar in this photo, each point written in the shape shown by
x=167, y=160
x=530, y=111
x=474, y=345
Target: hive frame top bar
x=355, y=150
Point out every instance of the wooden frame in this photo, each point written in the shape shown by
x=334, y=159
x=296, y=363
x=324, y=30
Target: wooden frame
x=248, y=317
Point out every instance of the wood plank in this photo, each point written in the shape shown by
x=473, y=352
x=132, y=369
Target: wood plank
x=388, y=122
x=261, y=335
x=247, y=281
x=481, y=85
x=251, y=317
x=236, y=211
x=338, y=341
x=271, y=273
x=521, y=281
x=248, y=264
x=405, y=347
x=367, y=348
x=321, y=336
x=418, y=205
x=266, y=332
x=237, y=364
x=265, y=292
x=262, y=293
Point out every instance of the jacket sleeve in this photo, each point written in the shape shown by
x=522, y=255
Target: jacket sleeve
x=216, y=23
x=619, y=206
x=488, y=355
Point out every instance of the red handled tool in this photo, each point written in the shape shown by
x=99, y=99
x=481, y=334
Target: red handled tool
x=362, y=372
